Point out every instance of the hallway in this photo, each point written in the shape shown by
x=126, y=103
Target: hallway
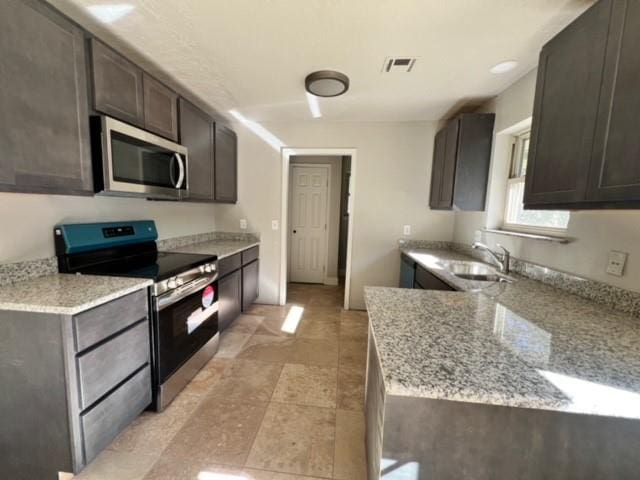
x=282, y=400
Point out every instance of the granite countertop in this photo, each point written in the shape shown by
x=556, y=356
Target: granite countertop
x=221, y=248
x=523, y=344
x=66, y=294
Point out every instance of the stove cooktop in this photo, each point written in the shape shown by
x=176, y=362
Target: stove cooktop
x=157, y=266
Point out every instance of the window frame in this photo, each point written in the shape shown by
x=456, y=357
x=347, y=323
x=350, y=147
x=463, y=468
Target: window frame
x=515, y=176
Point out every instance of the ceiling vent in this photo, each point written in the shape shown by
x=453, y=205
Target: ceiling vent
x=398, y=64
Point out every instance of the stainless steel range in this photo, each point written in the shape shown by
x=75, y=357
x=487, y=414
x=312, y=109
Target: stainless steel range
x=183, y=298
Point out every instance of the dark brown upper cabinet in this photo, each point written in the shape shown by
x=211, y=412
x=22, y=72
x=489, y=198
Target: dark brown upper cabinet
x=570, y=72
x=124, y=91
x=117, y=85
x=226, y=165
x=614, y=175
x=584, y=143
x=461, y=159
x=196, y=133
x=44, y=108
x=160, y=108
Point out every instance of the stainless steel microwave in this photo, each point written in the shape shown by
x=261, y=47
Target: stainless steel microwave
x=129, y=161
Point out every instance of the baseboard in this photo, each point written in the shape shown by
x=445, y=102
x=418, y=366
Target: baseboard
x=331, y=280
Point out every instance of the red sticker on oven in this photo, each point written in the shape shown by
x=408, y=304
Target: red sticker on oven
x=207, y=296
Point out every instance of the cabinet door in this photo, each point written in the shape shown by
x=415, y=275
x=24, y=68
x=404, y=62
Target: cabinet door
x=425, y=280
x=565, y=108
x=615, y=165
x=44, y=137
x=436, y=168
x=230, y=298
x=226, y=170
x=445, y=198
x=160, y=108
x=250, y=274
x=117, y=85
x=196, y=133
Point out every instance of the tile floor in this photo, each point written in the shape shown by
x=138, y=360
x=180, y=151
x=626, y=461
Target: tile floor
x=282, y=400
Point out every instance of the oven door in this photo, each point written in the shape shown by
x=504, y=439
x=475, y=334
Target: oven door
x=184, y=320
x=136, y=162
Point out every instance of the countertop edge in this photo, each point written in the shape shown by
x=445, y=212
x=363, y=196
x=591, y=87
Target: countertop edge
x=19, y=307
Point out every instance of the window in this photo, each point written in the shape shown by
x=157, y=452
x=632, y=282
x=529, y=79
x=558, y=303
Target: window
x=515, y=216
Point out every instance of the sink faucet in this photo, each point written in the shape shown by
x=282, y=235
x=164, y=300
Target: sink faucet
x=502, y=259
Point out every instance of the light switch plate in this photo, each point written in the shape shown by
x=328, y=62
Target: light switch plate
x=275, y=225
x=406, y=230
x=243, y=223
x=617, y=261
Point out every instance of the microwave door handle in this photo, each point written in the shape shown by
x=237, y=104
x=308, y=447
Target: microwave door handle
x=178, y=157
x=172, y=178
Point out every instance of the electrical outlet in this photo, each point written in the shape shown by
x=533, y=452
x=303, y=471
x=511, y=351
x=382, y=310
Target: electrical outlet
x=243, y=223
x=275, y=225
x=617, y=261
x=406, y=230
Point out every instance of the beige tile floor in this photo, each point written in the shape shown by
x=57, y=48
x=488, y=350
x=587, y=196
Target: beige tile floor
x=282, y=400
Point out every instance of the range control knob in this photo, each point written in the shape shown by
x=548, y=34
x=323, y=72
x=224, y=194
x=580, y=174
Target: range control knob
x=172, y=283
x=207, y=268
x=180, y=281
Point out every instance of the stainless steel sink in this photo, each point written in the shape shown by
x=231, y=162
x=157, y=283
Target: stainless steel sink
x=483, y=278
x=468, y=268
x=475, y=271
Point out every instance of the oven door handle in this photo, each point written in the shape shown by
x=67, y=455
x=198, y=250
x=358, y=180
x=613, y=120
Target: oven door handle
x=179, y=293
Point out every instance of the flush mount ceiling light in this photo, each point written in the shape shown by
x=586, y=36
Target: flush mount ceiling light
x=326, y=83
x=504, y=67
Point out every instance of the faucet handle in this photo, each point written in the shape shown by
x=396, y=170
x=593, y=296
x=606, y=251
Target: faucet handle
x=504, y=250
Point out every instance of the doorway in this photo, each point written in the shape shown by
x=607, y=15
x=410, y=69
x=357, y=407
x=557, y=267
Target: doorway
x=317, y=224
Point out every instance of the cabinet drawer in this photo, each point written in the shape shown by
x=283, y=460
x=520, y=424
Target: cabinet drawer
x=250, y=255
x=98, y=323
x=229, y=264
x=104, y=422
x=428, y=281
x=102, y=368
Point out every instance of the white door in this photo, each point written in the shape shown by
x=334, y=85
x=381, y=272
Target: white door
x=308, y=230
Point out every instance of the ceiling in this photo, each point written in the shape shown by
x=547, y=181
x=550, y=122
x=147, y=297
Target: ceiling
x=253, y=55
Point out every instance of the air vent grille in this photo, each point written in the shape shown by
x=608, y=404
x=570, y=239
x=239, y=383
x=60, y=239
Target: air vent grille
x=398, y=64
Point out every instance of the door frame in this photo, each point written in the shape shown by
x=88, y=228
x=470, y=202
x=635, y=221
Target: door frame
x=287, y=153
x=325, y=254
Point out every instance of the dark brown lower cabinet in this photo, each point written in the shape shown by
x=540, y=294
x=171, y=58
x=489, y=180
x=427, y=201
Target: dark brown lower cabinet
x=230, y=298
x=250, y=274
x=425, y=280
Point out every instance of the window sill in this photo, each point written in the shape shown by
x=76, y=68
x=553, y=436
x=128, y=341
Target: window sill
x=530, y=236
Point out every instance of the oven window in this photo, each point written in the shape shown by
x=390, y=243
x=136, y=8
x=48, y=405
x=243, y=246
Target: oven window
x=135, y=161
x=183, y=328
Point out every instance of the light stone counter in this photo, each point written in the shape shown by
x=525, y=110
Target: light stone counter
x=519, y=380
x=66, y=294
x=221, y=248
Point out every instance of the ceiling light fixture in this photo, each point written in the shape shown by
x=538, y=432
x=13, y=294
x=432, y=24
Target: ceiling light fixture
x=326, y=83
x=314, y=106
x=504, y=67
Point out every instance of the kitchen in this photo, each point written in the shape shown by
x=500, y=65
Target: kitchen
x=295, y=354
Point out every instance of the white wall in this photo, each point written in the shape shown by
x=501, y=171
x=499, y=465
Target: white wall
x=333, y=205
x=27, y=220
x=391, y=189
x=595, y=232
